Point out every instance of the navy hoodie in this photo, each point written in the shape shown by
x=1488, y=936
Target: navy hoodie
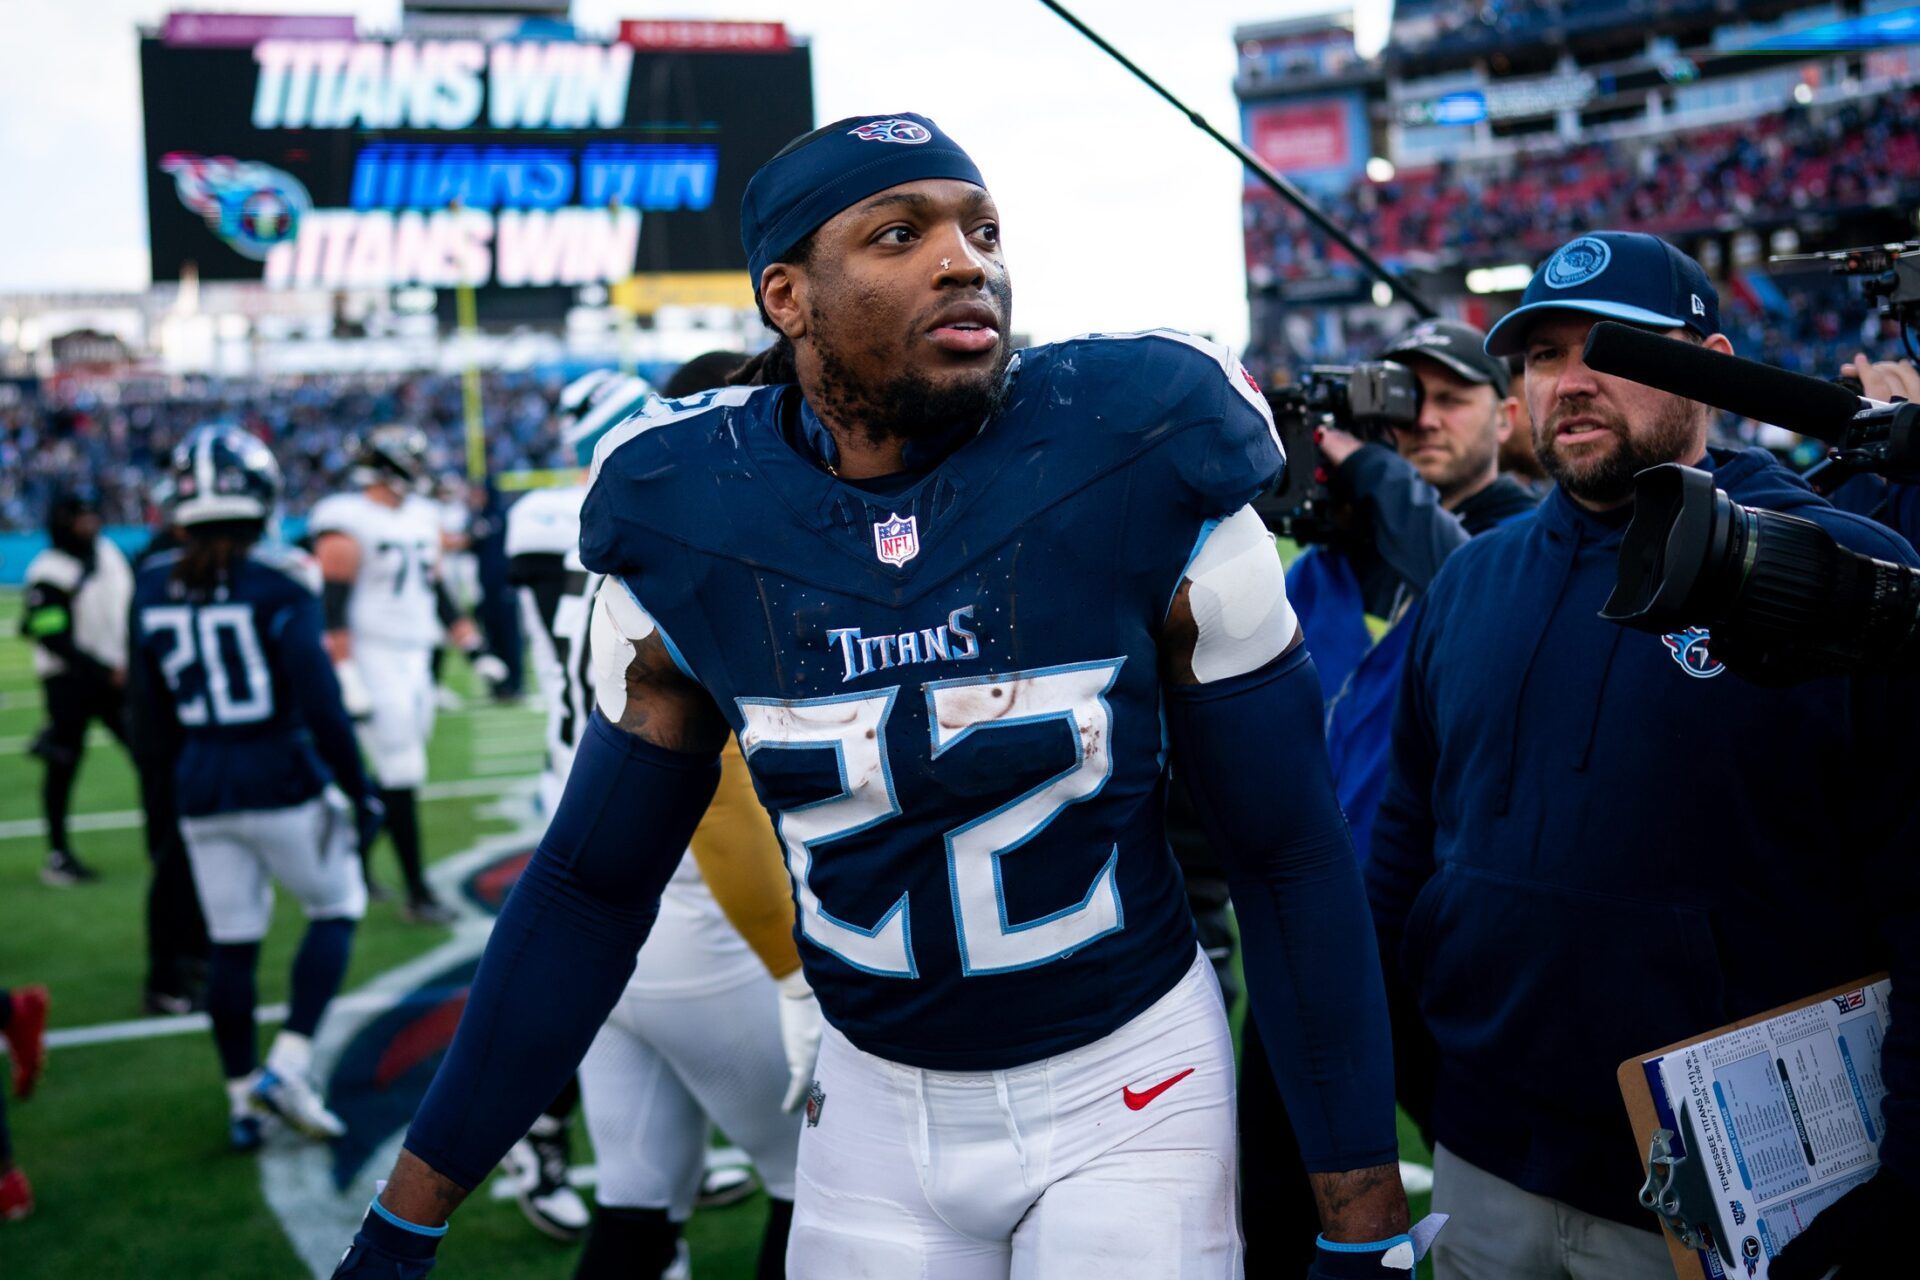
x=1595, y=842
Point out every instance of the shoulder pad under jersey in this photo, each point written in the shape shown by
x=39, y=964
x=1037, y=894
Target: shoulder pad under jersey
x=662, y=466
x=1158, y=383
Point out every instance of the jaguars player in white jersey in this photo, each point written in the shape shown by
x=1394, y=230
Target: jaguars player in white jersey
x=715, y=1021
x=386, y=609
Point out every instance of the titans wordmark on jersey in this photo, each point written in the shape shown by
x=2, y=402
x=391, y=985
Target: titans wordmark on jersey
x=393, y=596
x=959, y=735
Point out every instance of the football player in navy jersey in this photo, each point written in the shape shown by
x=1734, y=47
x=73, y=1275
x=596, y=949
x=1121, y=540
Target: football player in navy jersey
x=230, y=675
x=892, y=576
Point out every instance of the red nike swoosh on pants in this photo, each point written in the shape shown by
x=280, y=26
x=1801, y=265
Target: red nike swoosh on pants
x=1135, y=1101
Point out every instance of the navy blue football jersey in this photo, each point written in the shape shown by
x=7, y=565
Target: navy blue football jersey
x=949, y=696
x=241, y=683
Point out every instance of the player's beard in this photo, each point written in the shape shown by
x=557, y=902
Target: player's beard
x=1604, y=476
x=910, y=405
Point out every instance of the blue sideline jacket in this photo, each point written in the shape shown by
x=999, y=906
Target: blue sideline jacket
x=1407, y=537
x=1595, y=842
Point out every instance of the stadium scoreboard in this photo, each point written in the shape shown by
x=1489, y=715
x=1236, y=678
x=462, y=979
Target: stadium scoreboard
x=345, y=162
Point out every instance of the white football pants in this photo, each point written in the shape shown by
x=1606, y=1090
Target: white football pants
x=236, y=857
x=660, y=1067
x=1117, y=1161
x=399, y=679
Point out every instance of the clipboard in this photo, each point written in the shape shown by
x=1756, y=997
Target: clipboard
x=1652, y=1113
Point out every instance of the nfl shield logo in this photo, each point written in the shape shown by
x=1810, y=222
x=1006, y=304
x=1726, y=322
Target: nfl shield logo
x=896, y=541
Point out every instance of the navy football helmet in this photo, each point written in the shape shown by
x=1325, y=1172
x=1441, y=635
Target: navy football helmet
x=221, y=472
x=393, y=455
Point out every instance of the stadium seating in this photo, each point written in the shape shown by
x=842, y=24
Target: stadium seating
x=1763, y=171
x=67, y=435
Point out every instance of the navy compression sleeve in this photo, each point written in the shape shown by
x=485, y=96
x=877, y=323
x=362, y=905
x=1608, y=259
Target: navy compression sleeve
x=1253, y=754
x=563, y=947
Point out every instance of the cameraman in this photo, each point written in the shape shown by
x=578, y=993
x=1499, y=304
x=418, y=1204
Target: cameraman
x=1893, y=503
x=1595, y=841
x=1401, y=507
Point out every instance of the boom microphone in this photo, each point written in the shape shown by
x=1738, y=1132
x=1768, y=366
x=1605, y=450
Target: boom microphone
x=1280, y=186
x=1746, y=387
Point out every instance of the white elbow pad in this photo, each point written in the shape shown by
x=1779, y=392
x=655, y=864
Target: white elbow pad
x=1239, y=600
x=618, y=624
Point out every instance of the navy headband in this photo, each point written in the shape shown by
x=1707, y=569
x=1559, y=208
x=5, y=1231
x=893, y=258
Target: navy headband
x=796, y=192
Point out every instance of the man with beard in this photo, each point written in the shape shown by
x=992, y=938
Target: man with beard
x=1594, y=841
x=892, y=575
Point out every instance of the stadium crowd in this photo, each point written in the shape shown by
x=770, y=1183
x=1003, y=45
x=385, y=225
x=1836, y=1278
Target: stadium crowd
x=119, y=447
x=1766, y=170
x=119, y=444
x=1425, y=27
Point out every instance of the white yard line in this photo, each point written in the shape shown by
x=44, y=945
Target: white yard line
x=483, y=787
x=517, y=765
x=373, y=1003
x=520, y=743
x=96, y=737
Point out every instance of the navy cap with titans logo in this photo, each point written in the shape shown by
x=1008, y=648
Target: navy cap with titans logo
x=834, y=168
x=1618, y=275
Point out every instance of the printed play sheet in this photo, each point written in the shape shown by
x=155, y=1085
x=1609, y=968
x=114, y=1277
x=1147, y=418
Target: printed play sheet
x=1784, y=1115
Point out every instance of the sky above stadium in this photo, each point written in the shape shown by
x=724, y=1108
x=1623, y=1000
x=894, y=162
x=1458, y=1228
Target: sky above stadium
x=1117, y=213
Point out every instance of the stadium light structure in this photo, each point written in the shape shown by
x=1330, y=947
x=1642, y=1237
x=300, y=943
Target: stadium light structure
x=1511, y=278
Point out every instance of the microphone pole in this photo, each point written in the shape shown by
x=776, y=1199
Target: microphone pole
x=1281, y=187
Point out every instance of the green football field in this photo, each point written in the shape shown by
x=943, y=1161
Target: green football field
x=125, y=1141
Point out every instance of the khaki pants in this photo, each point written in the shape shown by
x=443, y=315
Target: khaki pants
x=1500, y=1232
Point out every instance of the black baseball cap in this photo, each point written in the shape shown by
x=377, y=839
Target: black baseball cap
x=1460, y=347
x=1619, y=275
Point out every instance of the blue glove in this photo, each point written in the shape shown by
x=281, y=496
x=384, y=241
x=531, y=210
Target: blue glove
x=1860, y=1233
x=1392, y=1259
x=388, y=1247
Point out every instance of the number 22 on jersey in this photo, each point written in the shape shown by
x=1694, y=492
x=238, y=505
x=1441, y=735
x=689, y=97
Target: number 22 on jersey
x=213, y=664
x=854, y=728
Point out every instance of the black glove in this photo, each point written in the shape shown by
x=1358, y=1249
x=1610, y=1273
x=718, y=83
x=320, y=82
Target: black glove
x=369, y=815
x=1393, y=1259
x=1864, y=1233
x=386, y=1249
